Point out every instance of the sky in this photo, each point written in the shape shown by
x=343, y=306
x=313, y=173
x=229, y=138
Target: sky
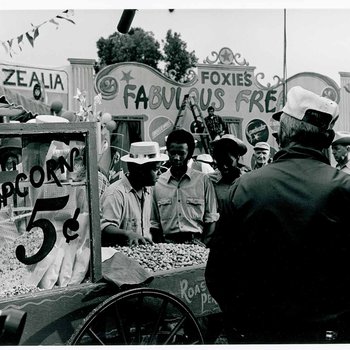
x=317, y=33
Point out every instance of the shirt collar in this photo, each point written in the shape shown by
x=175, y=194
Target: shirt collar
x=168, y=175
x=297, y=151
x=129, y=188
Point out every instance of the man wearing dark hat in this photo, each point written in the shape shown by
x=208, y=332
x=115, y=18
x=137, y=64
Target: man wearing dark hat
x=340, y=150
x=280, y=268
x=227, y=152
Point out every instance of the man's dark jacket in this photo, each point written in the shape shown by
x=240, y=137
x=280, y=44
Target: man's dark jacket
x=282, y=253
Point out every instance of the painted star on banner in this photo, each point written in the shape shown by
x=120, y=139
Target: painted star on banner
x=127, y=76
x=226, y=56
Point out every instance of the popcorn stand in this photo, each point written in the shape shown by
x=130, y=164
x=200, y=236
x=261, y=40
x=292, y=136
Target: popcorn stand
x=53, y=269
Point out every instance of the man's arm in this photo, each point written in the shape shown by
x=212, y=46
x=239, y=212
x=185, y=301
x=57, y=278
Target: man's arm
x=208, y=231
x=156, y=228
x=112, y=235
x=211, y=215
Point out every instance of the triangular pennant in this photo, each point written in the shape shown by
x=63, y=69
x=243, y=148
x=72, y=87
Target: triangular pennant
x=5, y=47
x=20, y=38
x=67, y=19
x=54, y=22
x=30, y=39
x=36, y=33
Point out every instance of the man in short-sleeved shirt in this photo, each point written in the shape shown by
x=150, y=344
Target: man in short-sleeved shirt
x=126, y=204
x=184, y=202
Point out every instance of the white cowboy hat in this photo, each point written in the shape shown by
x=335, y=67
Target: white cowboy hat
x=144, y=152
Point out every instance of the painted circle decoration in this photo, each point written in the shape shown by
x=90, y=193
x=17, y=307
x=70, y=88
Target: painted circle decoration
x=330, y=93
x=257, y=131
x=37, y=92
x=109, y=87
x=226, y=56
x=159, y=128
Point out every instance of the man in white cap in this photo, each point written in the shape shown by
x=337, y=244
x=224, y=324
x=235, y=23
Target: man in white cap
x=126, y=203
x=280, y=275
x=341, y=149
x=261, y=154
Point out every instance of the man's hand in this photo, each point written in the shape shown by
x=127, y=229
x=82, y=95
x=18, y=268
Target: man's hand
x=136, y=239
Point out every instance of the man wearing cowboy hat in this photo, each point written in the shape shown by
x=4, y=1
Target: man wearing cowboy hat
x=126, y=204
x=288, y=251
x=340, y=150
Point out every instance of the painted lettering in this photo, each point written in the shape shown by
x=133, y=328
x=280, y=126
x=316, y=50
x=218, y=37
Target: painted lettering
x=257, y=96
x=240, y=81
x=158, y=96
x=247, y=79
x=204, y=77
x=34, y=80
x=205, y=104
x=222, y=78
x=141, y=97
x=10, y=72
x=20, y=77
x=128, y=94
x=37, y=176
x=183, y=290
x=155, y=98
x=28, y=78
x=167, y=103
x=218, y=93
x=268, y=99
x=58, y=82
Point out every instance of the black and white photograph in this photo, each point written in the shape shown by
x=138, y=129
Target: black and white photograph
x=175, y=173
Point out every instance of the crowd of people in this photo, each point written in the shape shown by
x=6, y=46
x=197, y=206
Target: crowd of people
x=277, y=232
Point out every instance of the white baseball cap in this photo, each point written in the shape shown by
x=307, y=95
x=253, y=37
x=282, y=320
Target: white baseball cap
x=300, y=100
x=144, y=152
x=262, y=145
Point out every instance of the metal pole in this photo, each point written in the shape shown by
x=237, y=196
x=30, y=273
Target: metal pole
x=284, y=56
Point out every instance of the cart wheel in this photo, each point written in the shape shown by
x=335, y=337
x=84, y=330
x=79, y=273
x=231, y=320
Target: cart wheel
x=141, y=316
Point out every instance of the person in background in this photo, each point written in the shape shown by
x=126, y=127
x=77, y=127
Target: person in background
x=202, y=162
x=184, y=204
x=288, y=251
x=10, y=153
x=126, y=203
x=340, y=150
x=216, y=126
x=227, y=152
x=261, y=154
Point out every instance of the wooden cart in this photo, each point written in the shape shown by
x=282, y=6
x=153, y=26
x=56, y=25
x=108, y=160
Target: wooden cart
x=164, y=311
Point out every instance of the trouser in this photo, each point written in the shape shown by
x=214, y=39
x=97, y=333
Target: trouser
x=182, y=237
x=335, y=331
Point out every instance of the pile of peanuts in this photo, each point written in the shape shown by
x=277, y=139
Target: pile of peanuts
x=12, y=272
x=166, y=256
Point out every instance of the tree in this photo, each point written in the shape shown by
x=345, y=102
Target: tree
x=176, y=56
x=136, y=46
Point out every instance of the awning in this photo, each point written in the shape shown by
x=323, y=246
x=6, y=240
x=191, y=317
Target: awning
x=17, y=107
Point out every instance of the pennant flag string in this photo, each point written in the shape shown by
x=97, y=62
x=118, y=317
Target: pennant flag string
x=33, y=33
